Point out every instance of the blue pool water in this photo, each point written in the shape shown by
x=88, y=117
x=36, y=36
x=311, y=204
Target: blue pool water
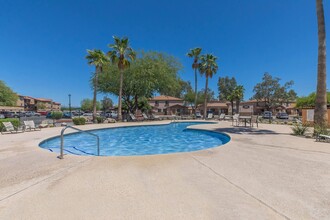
x=139, y=140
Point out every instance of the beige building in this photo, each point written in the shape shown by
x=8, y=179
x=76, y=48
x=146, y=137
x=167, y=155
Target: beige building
x=168, y=105
x=37, y=104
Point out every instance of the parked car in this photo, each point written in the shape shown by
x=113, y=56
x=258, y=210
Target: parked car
x=49, y=115
x=267, y=114
x=32, y=113
x=11, y=114
x=67, y=115
x=282, y=115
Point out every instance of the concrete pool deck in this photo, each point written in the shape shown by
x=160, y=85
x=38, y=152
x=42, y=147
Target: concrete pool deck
x=262, y=173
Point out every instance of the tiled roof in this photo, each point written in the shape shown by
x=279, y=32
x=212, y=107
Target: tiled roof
x=217, y=104
x=43, y=100
x=165, y=98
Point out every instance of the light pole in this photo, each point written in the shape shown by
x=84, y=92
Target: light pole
x=70, y=104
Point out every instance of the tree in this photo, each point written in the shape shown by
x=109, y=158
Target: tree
x=271, y=92
x=122, y=54
x=226, y=87
x=309, y=101
x=207, y=67
x=149, y=73
x=7, y=96
x=107, y=103
x=321, y=115
x=195, y=53
x=183, y=89
x=88, y=105
x=98, y=59
x=238, y=95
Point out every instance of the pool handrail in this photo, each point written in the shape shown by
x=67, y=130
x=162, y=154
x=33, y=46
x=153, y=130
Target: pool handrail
x=61, y=156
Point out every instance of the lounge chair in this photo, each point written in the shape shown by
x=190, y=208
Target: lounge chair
x=44, y=124
x=133, y=118
x=10, y=128
x=209, y=115
x=323, y=137
x=222, y=117
x=29, y=125
x=155, y=117
x=145, y=117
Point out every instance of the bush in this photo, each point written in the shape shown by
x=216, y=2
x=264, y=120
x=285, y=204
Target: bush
x=56, y=115
x=99, y=119
x=300, y=129
x=14, y=121
x=320, y=130
x=79, y=121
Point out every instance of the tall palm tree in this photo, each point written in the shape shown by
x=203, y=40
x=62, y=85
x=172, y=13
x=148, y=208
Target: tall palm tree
x=195, y=53
x=238, y=94
x=207, y=67
x=121, y=54
x=98, y=59
x=321, y=116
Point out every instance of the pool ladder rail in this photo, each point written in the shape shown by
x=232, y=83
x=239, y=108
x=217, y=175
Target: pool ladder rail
x=61, y=156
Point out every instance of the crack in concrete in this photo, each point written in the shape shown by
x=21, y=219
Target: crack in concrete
x=43, y=180
x=241, y=189
x=291, y=148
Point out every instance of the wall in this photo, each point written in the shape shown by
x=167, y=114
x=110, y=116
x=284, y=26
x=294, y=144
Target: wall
x=308, y=116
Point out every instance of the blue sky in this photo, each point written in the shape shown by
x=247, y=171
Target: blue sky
x=43, y=43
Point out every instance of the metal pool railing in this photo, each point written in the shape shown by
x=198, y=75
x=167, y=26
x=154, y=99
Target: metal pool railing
x=77, y=129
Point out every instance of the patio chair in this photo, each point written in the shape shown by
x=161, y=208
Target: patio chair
x=10, y=128
x=254, y=120
x=29, y=125
x=222, y=117
x=235, y=119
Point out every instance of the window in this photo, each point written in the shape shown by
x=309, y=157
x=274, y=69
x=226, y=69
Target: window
x=166, y=103
x=156, y=103
x=159, y=110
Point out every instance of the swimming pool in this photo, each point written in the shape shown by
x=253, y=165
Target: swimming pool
x=139, y=140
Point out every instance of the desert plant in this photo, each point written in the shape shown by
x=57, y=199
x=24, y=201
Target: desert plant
x=300, y=129
x=79, y=121
x=99, y=119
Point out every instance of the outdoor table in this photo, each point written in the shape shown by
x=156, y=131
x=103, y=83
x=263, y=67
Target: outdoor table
x=245, y=119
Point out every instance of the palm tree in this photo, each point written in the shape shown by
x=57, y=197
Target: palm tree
x=195, y=53
x=238, y=95
x=321, y=116
x=98, y=59
x=121, y=54
x=209, y=67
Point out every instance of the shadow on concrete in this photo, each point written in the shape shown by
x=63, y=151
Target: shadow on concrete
x=247, y=130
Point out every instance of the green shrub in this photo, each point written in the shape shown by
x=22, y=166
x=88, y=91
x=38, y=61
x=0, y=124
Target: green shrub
x=99, y=119
x=79, y=121
x=14, y=121
x=56, y=115
x=320, y=130
x=300, y=129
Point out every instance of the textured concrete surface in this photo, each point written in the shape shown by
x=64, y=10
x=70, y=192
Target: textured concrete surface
x=262, y=173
